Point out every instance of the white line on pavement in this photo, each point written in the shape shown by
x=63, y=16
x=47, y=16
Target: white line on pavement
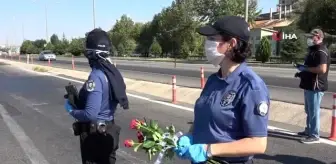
x=25, y=142
x=280, y=130
x=26, y=102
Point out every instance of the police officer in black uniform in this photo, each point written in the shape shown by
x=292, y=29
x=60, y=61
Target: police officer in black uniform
x=98, y=100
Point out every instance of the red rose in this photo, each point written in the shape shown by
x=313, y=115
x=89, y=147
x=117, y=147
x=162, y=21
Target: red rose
x=129, y=143
x=135, y=124
x=140, y=137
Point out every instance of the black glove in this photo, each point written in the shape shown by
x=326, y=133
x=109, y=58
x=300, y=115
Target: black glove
x=72, y=94
x=297, y=74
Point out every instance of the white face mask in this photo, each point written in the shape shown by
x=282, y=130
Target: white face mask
x=212, y=55
x=310, y=42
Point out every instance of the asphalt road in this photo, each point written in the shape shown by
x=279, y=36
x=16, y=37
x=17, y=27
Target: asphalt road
x=35, y=128
x=281, y=83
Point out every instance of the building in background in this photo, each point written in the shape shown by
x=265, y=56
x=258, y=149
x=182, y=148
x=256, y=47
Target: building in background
x=268, y=23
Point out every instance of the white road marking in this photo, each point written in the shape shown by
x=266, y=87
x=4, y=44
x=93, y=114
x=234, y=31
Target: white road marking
x=26, y=102
x=39, y=104
x=284, y=131
x=25, y=142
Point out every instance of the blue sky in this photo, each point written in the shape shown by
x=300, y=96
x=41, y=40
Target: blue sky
x=74, y=17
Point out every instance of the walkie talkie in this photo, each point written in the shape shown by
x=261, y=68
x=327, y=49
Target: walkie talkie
x=72, y=94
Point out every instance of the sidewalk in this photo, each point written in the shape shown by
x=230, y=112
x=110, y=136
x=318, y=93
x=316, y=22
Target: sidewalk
x=280, y=112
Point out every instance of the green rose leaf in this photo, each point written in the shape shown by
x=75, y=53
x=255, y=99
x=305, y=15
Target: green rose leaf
x=148, y=144
x=159, y=130
x=154, y=124
x=146, y=129
x=158, y=135
x=169, y=141
x=155, y=137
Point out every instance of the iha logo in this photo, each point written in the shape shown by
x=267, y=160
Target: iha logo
x=277, y=36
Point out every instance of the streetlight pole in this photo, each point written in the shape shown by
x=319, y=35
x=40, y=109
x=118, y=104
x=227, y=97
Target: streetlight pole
x=246, y=10
x=93, y=13
x=46, y=22
x=14, y=32
x=23, y=37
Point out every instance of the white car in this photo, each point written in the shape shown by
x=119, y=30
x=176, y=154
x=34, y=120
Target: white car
x=46, y=55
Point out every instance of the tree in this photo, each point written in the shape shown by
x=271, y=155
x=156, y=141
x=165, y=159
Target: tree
x=54, y=39
x=137, y=27
x=210, y=10
x=156, y=48
x=264, y=52
x=24, y=46
x=62, y=47
x=76, y=47
x=145, y=39
x=293, y=49
x=320, y=14
x=126, y=47
x=121, y=35
x=176, y=25
x=32, y=49
x=174, y=30
x=49, y=46
x=40, y=43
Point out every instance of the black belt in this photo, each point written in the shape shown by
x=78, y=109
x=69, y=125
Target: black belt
x=95, y=122
x=89, y=126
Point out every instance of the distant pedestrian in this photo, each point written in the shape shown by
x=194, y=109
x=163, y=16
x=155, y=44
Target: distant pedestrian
x=314, y=81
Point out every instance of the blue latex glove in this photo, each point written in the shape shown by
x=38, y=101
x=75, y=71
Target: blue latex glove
x=183, y=144
x=301, y=67
x=196, y=153
x=67, y=106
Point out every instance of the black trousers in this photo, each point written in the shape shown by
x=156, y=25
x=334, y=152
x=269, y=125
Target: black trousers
x=97, y=148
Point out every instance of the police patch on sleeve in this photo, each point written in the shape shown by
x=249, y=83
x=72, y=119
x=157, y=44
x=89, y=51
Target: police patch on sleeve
x=90, y=85
x=263, y=109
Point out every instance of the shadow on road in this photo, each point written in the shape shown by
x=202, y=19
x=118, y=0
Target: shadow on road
x=289, y=159
x=276, y=134
x=281, y=135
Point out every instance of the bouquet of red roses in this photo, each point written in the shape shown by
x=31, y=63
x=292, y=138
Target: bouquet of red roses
x=153, y=139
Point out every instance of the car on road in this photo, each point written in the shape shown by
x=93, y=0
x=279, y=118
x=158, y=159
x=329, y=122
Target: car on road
x=46, y=55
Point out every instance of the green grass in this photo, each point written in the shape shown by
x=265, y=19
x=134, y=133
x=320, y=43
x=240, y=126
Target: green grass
x=40, y=69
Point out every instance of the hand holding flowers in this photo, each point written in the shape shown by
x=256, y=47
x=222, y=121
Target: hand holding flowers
x=153, y=140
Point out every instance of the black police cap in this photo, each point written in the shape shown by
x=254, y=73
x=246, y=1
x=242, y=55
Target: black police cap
x=98, y=39
x=234, y=26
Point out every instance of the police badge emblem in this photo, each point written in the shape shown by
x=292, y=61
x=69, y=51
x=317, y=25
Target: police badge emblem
x=263, y=109
x=90, y=85
x=228, y=98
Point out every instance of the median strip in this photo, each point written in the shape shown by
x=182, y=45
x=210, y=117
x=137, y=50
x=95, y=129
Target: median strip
x=280, y=111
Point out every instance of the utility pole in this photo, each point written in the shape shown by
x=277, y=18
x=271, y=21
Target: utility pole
x=7, y=41
x=14, y=32
x=46, y=22
x=94, y=14
x=246, y=10
x=23, y=37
